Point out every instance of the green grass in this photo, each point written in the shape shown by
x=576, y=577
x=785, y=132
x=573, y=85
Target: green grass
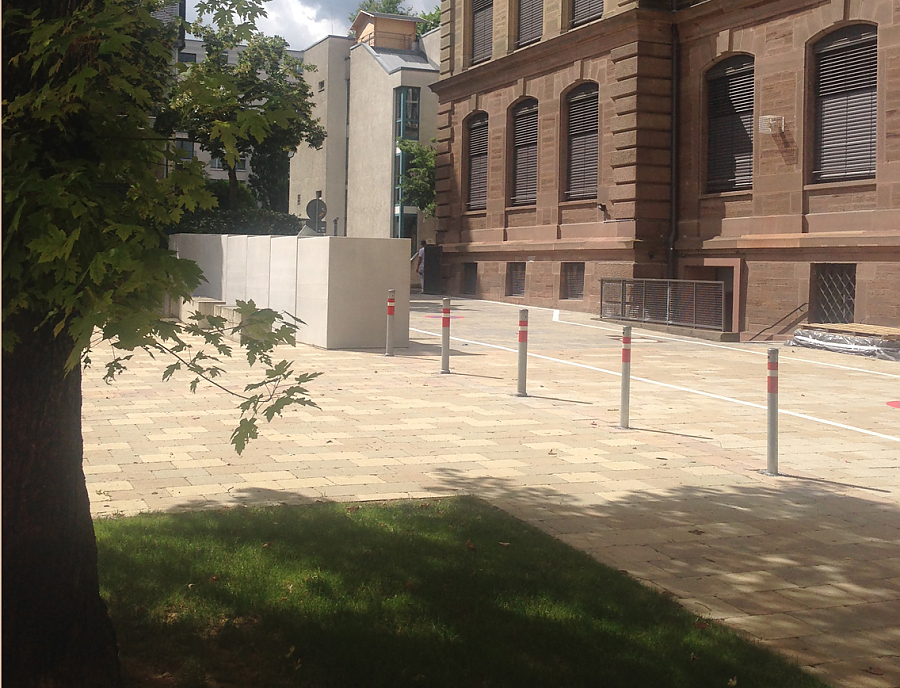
x=398, y=594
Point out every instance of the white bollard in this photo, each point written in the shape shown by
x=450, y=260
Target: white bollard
x=625, y=399
x=772, y=414
x=523, y=350
x=445, y=337
x=389, y=344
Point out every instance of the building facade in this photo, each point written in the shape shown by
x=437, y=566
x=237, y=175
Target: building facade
x=751, y=142
x=369, y=91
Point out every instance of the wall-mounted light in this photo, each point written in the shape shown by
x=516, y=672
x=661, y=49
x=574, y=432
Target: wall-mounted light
x=602, y=207
x=771, y=124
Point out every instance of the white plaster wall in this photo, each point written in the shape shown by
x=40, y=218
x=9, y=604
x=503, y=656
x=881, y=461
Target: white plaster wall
x=235, y=282
x=324, y=169
x=282, y=276
x=259, y=259
x=208, y=251
x=371, y=160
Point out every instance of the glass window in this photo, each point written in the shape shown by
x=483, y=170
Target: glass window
x=478, y=162
x=729, y=158
x=525, y=153
x=846, y=86
x=583, y=143
x=482, y=30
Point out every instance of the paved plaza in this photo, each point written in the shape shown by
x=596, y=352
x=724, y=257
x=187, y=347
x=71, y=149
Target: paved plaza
x=807, y=563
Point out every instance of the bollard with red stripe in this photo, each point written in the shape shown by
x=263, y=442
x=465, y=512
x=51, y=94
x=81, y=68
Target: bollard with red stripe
x=389, y=345
x=445, y=337
x=523, y=351
x=772, y=414
x=625, y=401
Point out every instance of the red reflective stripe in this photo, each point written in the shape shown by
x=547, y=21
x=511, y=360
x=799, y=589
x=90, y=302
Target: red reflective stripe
x=445, y=322
x=773, y=365
x=523, y=335
x=773, y=384
x=626, y=355
x=391, y=309
x=523, y=323
x=626, y=340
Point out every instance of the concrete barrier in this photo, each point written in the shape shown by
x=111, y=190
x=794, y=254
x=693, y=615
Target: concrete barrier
x=336, y=285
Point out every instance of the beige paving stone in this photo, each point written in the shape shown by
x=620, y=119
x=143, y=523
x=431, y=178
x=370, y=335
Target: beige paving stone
x=94, y=470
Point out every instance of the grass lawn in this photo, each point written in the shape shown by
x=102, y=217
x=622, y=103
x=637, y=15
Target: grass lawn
x=449, y=592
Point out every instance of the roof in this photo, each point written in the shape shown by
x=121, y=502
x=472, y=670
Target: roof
x=394, y=60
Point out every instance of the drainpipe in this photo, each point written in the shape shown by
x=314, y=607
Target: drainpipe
x=673, y=210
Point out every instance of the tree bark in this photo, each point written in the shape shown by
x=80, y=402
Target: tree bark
x=56, y=629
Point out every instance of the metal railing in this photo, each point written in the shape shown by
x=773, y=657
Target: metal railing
x=688, y=303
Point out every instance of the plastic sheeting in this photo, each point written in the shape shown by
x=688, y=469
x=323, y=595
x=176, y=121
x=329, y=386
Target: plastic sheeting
x=885, y=349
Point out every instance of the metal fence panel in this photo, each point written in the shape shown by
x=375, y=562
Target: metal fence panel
x=688, y=303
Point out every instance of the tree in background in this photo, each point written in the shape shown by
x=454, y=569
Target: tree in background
x=261, y=104
x=380, y=6
x=85, y=212
x=418, y=182
x=432, y=20
x=270, y=176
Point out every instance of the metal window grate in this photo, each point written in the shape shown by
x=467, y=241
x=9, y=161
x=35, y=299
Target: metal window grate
x=688, y=303
x=834, y=292
x=470, y=278
x=572, y=281
x=515, y=279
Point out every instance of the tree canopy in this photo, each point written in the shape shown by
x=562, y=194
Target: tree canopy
x=258, y=104
x=418, y=183
x=432, y=20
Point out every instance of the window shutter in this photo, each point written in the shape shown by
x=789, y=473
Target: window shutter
x=531, y=21
x=583, y=158
x=525, y=153
x=730, y=120
x=482, y=30
x=585, y=10
x=478, y=163
x=846, y=87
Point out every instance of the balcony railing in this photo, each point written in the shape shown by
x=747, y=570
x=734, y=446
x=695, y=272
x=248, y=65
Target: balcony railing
x=392, y=41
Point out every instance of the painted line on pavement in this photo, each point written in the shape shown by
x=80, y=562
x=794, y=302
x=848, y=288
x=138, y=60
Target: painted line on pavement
x=722, y=346
x=679, y=388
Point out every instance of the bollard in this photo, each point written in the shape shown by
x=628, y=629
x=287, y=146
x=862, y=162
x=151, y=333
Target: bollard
x=626, y=378
x=445, y=337
x=523, y=350
x=389, y=344
x=772, y=414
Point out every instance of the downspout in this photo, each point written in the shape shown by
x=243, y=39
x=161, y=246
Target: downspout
x=673, y=210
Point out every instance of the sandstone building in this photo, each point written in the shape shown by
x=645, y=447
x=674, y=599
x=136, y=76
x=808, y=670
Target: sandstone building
x=752, y=142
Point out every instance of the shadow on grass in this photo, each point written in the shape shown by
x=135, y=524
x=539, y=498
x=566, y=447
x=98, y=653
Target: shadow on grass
x=415, y=593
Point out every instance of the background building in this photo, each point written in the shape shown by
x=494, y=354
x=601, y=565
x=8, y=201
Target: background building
x=747, y=141
x=368, y=92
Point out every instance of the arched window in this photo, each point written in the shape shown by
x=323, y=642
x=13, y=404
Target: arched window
x=531, y=21
x=482, y=30
x=585, y=10
x=477, y=162
x=846, y=79
x=525, y=153
x=729, y=159
x=583, y=144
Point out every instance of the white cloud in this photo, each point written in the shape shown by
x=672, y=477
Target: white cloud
x=301, y=24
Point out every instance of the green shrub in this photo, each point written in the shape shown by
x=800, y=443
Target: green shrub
x=220, y=187
x=246, y=221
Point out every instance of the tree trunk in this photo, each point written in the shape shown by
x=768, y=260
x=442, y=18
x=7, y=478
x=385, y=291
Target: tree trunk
x=56, y=629
x=232, y=189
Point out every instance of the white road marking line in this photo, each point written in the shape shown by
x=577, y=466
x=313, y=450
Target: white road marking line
x=733, y=348
x=668, y=386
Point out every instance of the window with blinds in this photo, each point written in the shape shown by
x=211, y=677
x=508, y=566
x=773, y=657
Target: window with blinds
x=572, y=281
x=586, y=10
x=478, y=163
x=515, y=279
x=729, y=159
x=531, y=21
x=525, y=153
x=583, y=149
x=846, y=85
x=482, y=30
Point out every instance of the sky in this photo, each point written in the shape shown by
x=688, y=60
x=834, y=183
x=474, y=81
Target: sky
x=303, y=23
